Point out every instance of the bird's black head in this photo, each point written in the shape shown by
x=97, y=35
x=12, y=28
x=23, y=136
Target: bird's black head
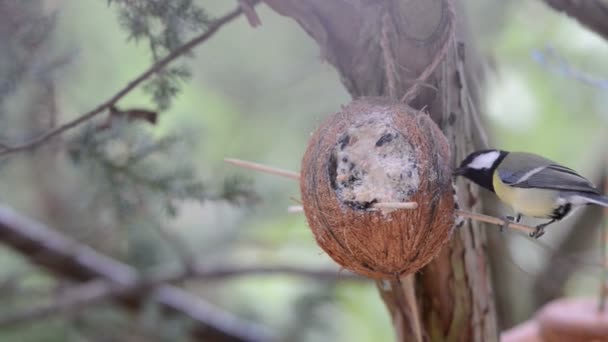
x=479, y=167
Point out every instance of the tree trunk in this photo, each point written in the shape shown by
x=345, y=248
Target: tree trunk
x=386, y=48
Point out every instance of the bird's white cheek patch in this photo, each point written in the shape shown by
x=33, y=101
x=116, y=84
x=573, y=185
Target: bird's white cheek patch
x=484, y=161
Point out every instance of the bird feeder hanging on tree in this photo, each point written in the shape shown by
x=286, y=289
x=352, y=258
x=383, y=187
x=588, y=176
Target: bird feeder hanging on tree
x=374, y=151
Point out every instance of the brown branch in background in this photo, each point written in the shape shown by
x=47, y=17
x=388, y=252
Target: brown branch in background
x=69, y=259
x=81, y=296
x=7, y=148
x=590, y=13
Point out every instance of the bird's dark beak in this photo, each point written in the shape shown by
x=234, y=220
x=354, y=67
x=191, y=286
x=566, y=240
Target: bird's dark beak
x=459, y=171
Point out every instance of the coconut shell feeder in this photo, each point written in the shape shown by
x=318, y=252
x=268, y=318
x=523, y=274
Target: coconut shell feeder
x=377, y=150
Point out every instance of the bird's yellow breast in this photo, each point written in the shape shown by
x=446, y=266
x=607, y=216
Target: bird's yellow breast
x=527, y=201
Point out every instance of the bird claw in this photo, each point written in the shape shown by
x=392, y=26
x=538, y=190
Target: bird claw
x=538, y=232
x=507, y=221
x=540, y=229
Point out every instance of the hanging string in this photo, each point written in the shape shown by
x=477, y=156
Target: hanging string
x=414, y=90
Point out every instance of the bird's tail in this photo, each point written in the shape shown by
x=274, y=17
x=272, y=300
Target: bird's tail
x=598, y=199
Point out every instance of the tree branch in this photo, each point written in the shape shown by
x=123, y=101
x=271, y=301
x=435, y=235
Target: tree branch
x=7, y=148
x=70, y=259
x=590, y=13
x=80, y=296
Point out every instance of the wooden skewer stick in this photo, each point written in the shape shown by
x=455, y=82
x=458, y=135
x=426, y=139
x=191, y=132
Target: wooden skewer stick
x=294, y=175
x=395, y=205
x=263, y=168
x=478, y=217
x=496, y=221
x=295, y=209
x=384, y=205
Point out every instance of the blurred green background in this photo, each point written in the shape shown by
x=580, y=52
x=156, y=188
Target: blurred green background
x=257, y=94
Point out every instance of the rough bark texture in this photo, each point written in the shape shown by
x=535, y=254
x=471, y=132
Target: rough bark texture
x=380, y=48
x=591, y=13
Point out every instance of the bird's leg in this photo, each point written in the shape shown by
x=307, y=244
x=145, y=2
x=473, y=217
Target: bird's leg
x=540, y=229
x=518, y=218
x=506, y=221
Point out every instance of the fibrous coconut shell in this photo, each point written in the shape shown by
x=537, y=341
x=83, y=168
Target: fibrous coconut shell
x=376, y=150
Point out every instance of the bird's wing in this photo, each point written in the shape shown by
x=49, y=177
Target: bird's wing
x=518, y=166
x=554, y=176
x=525, y=170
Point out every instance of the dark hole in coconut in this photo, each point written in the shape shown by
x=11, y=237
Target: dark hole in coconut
x=331, y=171
x=384, y=139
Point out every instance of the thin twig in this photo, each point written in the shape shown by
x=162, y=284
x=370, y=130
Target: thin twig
x=156, y=67
x=263, y=168
x=496, y=221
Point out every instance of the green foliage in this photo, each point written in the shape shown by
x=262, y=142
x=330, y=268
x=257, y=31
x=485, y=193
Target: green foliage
x=132, y=169
x=164, y=26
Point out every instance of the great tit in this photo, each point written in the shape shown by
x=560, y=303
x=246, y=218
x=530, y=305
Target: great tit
x=532, y=185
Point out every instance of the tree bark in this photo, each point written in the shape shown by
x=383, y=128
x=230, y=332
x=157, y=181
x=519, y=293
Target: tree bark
x=381, y=48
